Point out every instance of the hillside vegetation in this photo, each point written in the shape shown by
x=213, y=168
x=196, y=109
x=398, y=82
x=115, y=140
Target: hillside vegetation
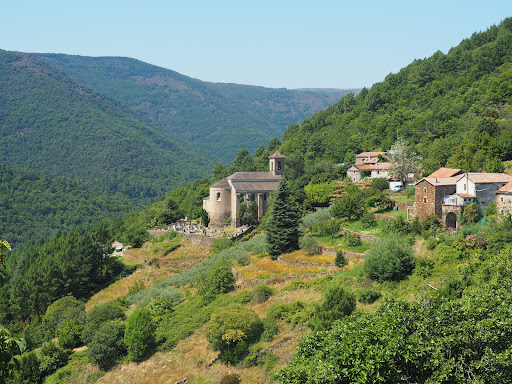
x=216, y=118
x=50, y=123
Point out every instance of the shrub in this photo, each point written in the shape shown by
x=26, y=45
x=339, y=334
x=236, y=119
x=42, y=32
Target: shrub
x=69, y=333
x=353, y=239
x=220, y=245
x=424, y=267
x=230, y=378
x=338, y=303
x=311, y=219
x=139, y=334
x=369, y=296
x=431, y=243
x=340, y=260
x=221, y=280
x=270, y=329
x=59, y=311
x=389, y=259
x=472, y=213
x=329, y=227
x=158, y=308
x=379, y=183
x=262, y=293
x=309, y=245
x=350, y=206
x=98, y=315
x=143, y=298
x=410, y=191
x=231, y=329
x=368, y=220
x=51, y=358
x=107, y=344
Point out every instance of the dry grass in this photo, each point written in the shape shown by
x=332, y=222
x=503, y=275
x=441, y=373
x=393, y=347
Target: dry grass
x=323, y=259
x=264, y=268
x=152, y=271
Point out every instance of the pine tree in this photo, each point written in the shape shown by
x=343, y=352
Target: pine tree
x=283, y=227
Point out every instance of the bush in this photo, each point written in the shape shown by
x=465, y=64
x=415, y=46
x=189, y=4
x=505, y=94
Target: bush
x=262, y=293
x=472, y=213
x=353, y=239
x=389, y=259
x=107, y=344
x=230, y=378
x=98, y=315
x=221, y=280
x=309, y=245
x=140, y=333
x=369, y=296
x=231, y=329
x=338, y=303
x=59, y=311
x=380, y=183
x=340, y=260
x=144, y=297
x=424, y=267
x=270, y=329
x=69, y=333
x=51, y=358
x=350, y=206
x=158, y=308
x=220, y=245
x=431, y=243
x=368, y=220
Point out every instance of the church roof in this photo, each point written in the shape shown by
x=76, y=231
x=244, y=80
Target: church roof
x=253, y=176
x=255, y=186
x=221, y=184
x=276, y=154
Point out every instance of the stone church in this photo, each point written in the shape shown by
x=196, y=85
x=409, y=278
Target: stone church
x=226, y=194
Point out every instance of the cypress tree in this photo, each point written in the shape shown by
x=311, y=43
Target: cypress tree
x=283, y=227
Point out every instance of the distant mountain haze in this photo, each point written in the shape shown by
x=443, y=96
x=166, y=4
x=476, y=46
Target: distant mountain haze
x=217, y=119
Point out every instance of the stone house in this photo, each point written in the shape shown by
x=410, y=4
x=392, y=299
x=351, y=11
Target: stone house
x=447, y=191
x=368, y=165
x=504, y=200
x=227, y=194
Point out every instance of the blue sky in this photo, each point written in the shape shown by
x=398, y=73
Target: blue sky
x=279, y=43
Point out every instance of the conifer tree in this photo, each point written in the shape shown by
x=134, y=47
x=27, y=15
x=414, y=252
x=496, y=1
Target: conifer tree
x=283, y=227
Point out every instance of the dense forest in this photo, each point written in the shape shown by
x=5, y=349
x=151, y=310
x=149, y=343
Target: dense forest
x=217, y=118
x=51, y=123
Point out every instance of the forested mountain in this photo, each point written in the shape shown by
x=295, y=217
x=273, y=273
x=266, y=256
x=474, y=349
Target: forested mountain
x=455, y=108
x=216, y=118
x=50, y=123
x=33, y=205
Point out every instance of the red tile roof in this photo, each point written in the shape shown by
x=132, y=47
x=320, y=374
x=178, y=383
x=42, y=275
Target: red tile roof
x=506, y=188
x=276, y=154
x=439, y=181
x=446, y=172
x=253, y=176
x=482, y=178
x=370, y=154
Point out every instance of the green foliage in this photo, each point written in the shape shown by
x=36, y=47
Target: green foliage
x=329, y=228
x=368, y=220
x=220, y=244
x=262, y=293
x=351, y=205
x=98, y=315
x=410, y=191
x=425, y=341
x=69, y=333
x=248, y=213
x=293, y=313
x=159, y=307
x=51, y=357
x=353, y=239
x=230, y=378
x=270, y=329
x=424, y=267
x=319, y=194
x=309, y=244
x=144, y=297
x=231, y=329
x=140, y=333
x=472, y=213
x=380, y=183
x=431, y=243
x=282, y=230
x=107, y=344
x=221, y=280
x=340, y=260
x=338, y=303
x=369, y=297
x=29, y=369
x=10, y=348
x=60, y=311
x=389, y=259
x=491, y=209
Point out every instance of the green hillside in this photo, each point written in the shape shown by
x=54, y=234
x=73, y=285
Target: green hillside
x=218, y=118
x=455, y=108
x=50, y=123
x=33, y=205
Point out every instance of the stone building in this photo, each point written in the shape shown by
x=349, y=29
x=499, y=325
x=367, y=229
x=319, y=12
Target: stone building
x=227, y=194
x=504, y=200
x=446, y=192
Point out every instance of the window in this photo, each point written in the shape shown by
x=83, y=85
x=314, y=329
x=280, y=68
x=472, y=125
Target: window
x=264, y=197
x=465, y=186
x=502, y=199
x=279, y=165
x=218, y=196
x=425, y=190
x=425, y=200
